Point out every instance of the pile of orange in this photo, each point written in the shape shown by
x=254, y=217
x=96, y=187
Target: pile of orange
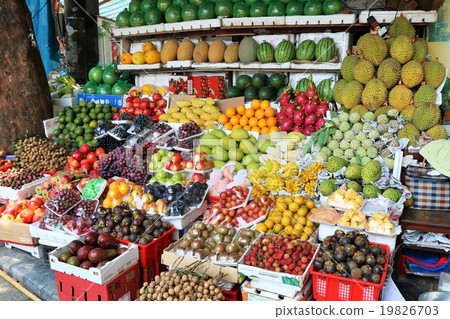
x=118, y=190
x=148, y=55
x=260, y=117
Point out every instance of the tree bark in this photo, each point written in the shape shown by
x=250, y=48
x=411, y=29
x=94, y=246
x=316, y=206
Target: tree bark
x=24, y=92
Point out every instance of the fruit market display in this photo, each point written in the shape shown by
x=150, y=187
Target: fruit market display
x=353, y=218
x=96, y=251
x=17, y=177
x=181, y=285
x=39, y=154
x=280, y=254
x=50, y=187
x=347, y=199
x=146, y=12
x=290, y=216
x=107, y=81
x=86, y=159
x=219, y=244
x=258, y=86
x=23, y=210
x=63, y=201
x=351, y=255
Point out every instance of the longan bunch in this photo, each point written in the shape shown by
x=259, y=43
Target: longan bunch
x=181, y=287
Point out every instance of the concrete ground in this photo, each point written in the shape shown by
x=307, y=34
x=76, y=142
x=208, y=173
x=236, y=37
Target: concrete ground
x=10, y=293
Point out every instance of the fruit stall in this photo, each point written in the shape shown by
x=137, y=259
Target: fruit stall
x=239, y=151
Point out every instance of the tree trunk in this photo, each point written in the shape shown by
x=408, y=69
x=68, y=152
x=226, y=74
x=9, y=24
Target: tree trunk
x=24, y=93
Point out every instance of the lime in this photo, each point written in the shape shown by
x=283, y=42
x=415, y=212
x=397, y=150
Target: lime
x=67, y=136
x=62, y=119
x=70, y=113
x=84, y=110
x=73, y=136
x=89, y=130
x=72, y=128
x=93, y=115
x=94, y=143
x=61, y=127
x=108, y=116
x=82, y=103
x=90, y=105
x=99, y=105
x=79, y=138
x=65, y=131
x=90, y=143
x=67, y=109
x=69, y=119
x=106, y=109
x=61, y=137
x=93, y=124
x=86, y=119
x=80, y=143
x=88, y=137
x=78, y=115
x=100, y=116
x=86, y=126
x=77, y=109
x=57, y=131
x=79, y=131
x=60, y=113
x=98, y=109
x=114, y=109
x=78, y=121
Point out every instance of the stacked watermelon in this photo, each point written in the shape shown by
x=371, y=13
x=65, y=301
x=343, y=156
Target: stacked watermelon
x=324, y=51
x=259, y=86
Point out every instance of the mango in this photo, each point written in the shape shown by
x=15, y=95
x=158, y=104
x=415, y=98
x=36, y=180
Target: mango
x=173, y=109
x=178, y=116
x=239, y=134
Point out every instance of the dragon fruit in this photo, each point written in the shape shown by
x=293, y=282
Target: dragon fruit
x=299, y=117
x=319, y=123
x=309, y=130
x=287, y=125
x=310, y=120
x=309, y=107
x=322, y=109
x=301, y=98
x=290, y=108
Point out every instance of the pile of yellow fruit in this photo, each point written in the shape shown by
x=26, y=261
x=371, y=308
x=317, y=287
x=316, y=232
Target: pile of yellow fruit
x=290, y=217
x=260, y=117
x=148, y=55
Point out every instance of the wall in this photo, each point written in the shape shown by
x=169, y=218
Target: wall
x=439, y=35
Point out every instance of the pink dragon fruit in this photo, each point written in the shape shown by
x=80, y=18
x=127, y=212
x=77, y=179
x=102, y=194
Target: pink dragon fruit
x=319, y=123
x=290, y=108
x=301, y=98
x=322, y=109
x=309, y=107
x=299, y=116
x=310, y=120
x=309, y=130
x=287, y=125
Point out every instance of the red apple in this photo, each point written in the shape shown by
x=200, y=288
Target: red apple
x=37, y=199
x=77, y=155
x=200, y=166
x=176, y=158
x=168, y=165
x=176, y=167
x=26, y=215
x=91, y=157
x=189, y=165
x=33, y=205
x=183, y=164
x=85, y=149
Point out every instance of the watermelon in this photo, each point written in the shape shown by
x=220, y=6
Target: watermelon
x=276, y=9
x=332, y=6
x=285, y=51
x=251, y=93
x=162, y=5
x=199, y=2
x=189, y=12
x=122, y=18
x=136, y=19
x=134, y=6
x=267, y=93
x=243, y=81
x=306, y=51
x=325, y=50
x=223, y=8
x=180, y=3
x=313, y=8
x=241, y=10
x=153, y=16
x=325, y=90
x=294, y=8
x=278, y=80
x=206, y=11
x=147, y=4
x=260, y=80
x=302, y=85
x=233, y=91
x=173, y=14
x=251, y=2
x=265, y=52
x=258, y=9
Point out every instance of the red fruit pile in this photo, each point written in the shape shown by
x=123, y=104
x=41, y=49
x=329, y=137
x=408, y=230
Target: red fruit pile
x=280, y=254
x=153, y=108
x=85, y=159
x=23, y=210
x=304, y=113
x=233, y=197
x=241, y=216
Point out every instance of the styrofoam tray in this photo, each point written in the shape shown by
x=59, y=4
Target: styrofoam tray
x=247, y=21
x=190, y=137
x=179, y=149
x=35, y=251
x=27, y=190
x=179, y=64
x=222, y=65
x=142, y=30
x=193, y=25
x=416, y=16
x=321, y=19
x=198, y=172
x=270, y=65
x=97, y=275
x=56, y=238
x=180, y=222
x=161, y=136
x=138, y=67
x=66, y=211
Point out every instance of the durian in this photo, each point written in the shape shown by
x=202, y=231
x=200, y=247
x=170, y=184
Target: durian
x=374, y=94
x=425, y=94
x=401, y=26
x=338, y=89
x=434, y=73
x=402, y=49
x=412, y=74
x=353, y=91
x=363, y=71
x=347, y=67
x=420, y=49
x=437, y=132
x=373, y=48
x=400, y=97
x=410, y=132
x=360, y=109
x=389, y=72
x=426, y=116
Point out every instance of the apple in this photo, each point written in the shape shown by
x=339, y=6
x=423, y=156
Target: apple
x=183, y=164
x=176, y=167
x=199, y=157
x=200, y=166
x=176, y=158
x=21, y=204
x=37, y=199
x=134, y=93
x=168, y=165
x=196, y=177
x=33, y=205
x=189, y=165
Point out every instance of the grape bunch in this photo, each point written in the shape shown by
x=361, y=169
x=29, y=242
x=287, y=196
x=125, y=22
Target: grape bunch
x=159, y=129
x=188, y=129
x=167, y=141
x=103, y=127
x=109, y=143
x=17, y=177
x=65, y=199
x=119, y=132
x=142, y=120
x=186, y=144
x=125, y=117
x=85, y=208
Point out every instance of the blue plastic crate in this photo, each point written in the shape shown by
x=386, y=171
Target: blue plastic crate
x=113, y=100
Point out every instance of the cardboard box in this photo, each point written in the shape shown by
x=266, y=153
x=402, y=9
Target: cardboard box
x=224, y=104
x=252, y=293
x=16, y=233
x=199, y=86
x=170, y=259
x=216, y=86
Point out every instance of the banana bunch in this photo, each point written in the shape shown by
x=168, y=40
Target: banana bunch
x=270, y=167
x=275, y=183
x=292, y=186
x=259, y=190
x=290, y=169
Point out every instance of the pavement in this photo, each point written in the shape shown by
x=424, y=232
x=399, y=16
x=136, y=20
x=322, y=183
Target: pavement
x=10, y=293
x=33, y=273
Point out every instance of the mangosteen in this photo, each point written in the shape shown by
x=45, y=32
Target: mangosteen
x=339, y=248
x=329, y=267
x=126, y=230
x=367, y=270
x=364, y=250
x=95, y=227
x=328, y=245
x=328, y=238
x=375, y=250
x=108, y=217
x=344, y=241
x=118, y=228
x=376, y=278
x=110, y=223
x=351, y=264
x=342, y=268
x=126, y=237
x=352, y=235
x=382, y=251
x=381, y=260
x=146, y=223
x=339, y=255
x=370, y=260
x=328, y=255
x=143, y=241
x=350, y=249
x=338, y=234
x=320, y=253
x=117, y=218
x=158, y=224
x=166, y=225
x=106, y=230
x=133, y=229
x=337, y=274
x=356, y=273
x=157, y=233
x=377, y=269
x=126, y=221
x=359, y=258
x=360, y=241
x=137, y=222
x=318, y=263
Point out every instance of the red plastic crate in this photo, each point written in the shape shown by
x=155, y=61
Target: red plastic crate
x=125, y=286
x=148, y=273
x=234, y=294
x=329, y=287
x=153, y=250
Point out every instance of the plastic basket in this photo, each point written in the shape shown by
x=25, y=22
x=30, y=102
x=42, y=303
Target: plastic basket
x=153, y=250
x=234, y=294
x=329, y=287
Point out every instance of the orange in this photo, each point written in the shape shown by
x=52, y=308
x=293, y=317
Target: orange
x=247, y=128
x=124, y=189
x=270, y=112
x=259, y=114
x=271, y=122
x=116, y=201
x=255, y=104
x=114, y=185
x=231, y=111
x=222, y=118
x=264, y=130
x=309, y=203
x=228, y=126
x=107, y=202
x=234, y=120
x=255, y=129
x=249, y=113
x=147, y=46
x=236, y=126
x=136, y=188
x=282, y=206
x=243, y=121
x=265, y=104
x=285, y=221
x=261, y=227
x=147, y=89
x=125, y=58
x=113, y=193
x=120, y=180
x=253, y=121
x=138, y=58
x=240, y=110
x=262, y=123
x=152, y=57
x=274, y=129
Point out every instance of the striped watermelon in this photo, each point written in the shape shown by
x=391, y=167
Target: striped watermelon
x=306, y=51
x=265, y=52
x=302, y=85
x=325, y=90
x=325, y=50
x=285, y=51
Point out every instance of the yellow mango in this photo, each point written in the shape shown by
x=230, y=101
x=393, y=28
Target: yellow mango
x=178, y=116
x=173, y=109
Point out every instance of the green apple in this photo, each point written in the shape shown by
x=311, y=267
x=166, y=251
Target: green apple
x=162, y=152
x=156, y=157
